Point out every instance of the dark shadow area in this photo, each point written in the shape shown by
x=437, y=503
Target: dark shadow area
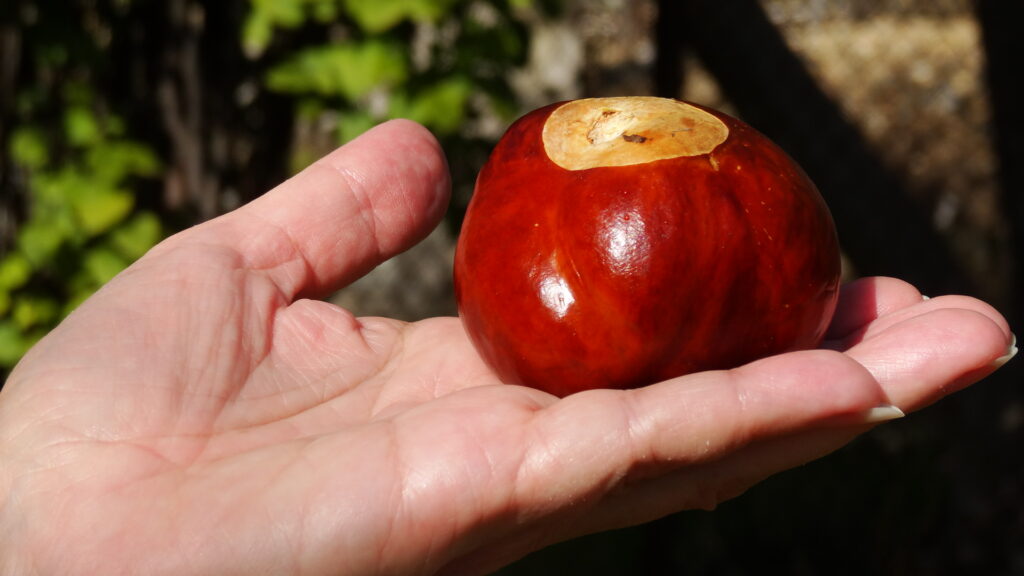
x=12, y=201
x=882, y=229
x=1000, y=23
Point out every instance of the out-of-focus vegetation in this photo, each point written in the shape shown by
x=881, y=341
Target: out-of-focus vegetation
x=115, y=116
x=71, y=174
x=440, y=63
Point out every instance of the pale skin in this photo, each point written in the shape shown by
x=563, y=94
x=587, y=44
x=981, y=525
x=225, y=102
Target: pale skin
x=202, y=415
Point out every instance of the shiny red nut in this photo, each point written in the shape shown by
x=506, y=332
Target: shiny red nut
x=617, y=242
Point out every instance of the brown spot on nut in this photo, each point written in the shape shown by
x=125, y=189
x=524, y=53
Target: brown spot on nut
x=596, y=132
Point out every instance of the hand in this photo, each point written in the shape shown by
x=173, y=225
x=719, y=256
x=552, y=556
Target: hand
x=199, y=415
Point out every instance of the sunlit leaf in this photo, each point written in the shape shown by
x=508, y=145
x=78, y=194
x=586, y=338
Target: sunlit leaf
x=15, y=270
x=80, y=126
x=13, y=344
x=286, y=13
x=354, y=123
x=133, y=238
x=263, y=17
x=102, y=264
x=349, y=71
x=29, y=311
x=113, y=161
x=441, y=107
x=53, y=210
x=256, y=34
x=39, y=242
x=376, y=16
x=324, y=11
x=99, y=209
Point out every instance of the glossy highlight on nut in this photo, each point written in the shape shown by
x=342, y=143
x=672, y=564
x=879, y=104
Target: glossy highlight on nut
x=613, y=243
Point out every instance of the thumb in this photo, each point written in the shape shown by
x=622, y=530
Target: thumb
x=333, y=222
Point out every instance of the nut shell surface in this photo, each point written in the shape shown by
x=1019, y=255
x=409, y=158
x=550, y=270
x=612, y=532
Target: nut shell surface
x=618, y=276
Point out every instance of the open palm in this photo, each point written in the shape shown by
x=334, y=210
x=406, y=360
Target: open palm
x=202, y=415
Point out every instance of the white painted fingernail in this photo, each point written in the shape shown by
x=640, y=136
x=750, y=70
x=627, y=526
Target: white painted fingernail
x=1011, y=351
x=882, y=413
x=923, y=297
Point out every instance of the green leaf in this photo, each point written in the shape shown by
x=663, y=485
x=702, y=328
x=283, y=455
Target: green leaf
x=15, y=270
x=113, y=161
x=39, y=243
x=349, y=71
x=81, y=127
x=30, y=311
x=53, y=196
x=136, y=236
x=13, y=344
x=286, y=13
x=102, y=264
x=325, y=11
x=354, y=123
x=264, y=16
x=257, y=31
x=376, y=16
x=100, y=209
x=441, y=107
x=29, y=148
x=5, y=301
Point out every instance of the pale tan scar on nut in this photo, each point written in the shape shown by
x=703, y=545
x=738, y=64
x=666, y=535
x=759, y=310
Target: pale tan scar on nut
x=623, y=131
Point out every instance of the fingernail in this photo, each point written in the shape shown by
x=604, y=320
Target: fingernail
x=923, y=297
x=1011, y=351
x=882, y=413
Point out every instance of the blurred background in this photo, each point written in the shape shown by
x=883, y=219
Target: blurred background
x=123, y=121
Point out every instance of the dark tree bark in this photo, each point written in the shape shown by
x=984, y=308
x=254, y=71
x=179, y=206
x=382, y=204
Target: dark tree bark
x=10, y=57
x=199, y=100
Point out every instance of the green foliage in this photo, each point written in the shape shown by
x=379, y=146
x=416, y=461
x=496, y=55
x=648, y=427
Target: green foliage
x=135, y=236
x=83, y=226
x=438, y=62
x=372, y=16
x=379, y=16
x=15, y=270
x=441, y=105
x=348, y=71
x=266, y=15
x=28, y=148
x=13, y=343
